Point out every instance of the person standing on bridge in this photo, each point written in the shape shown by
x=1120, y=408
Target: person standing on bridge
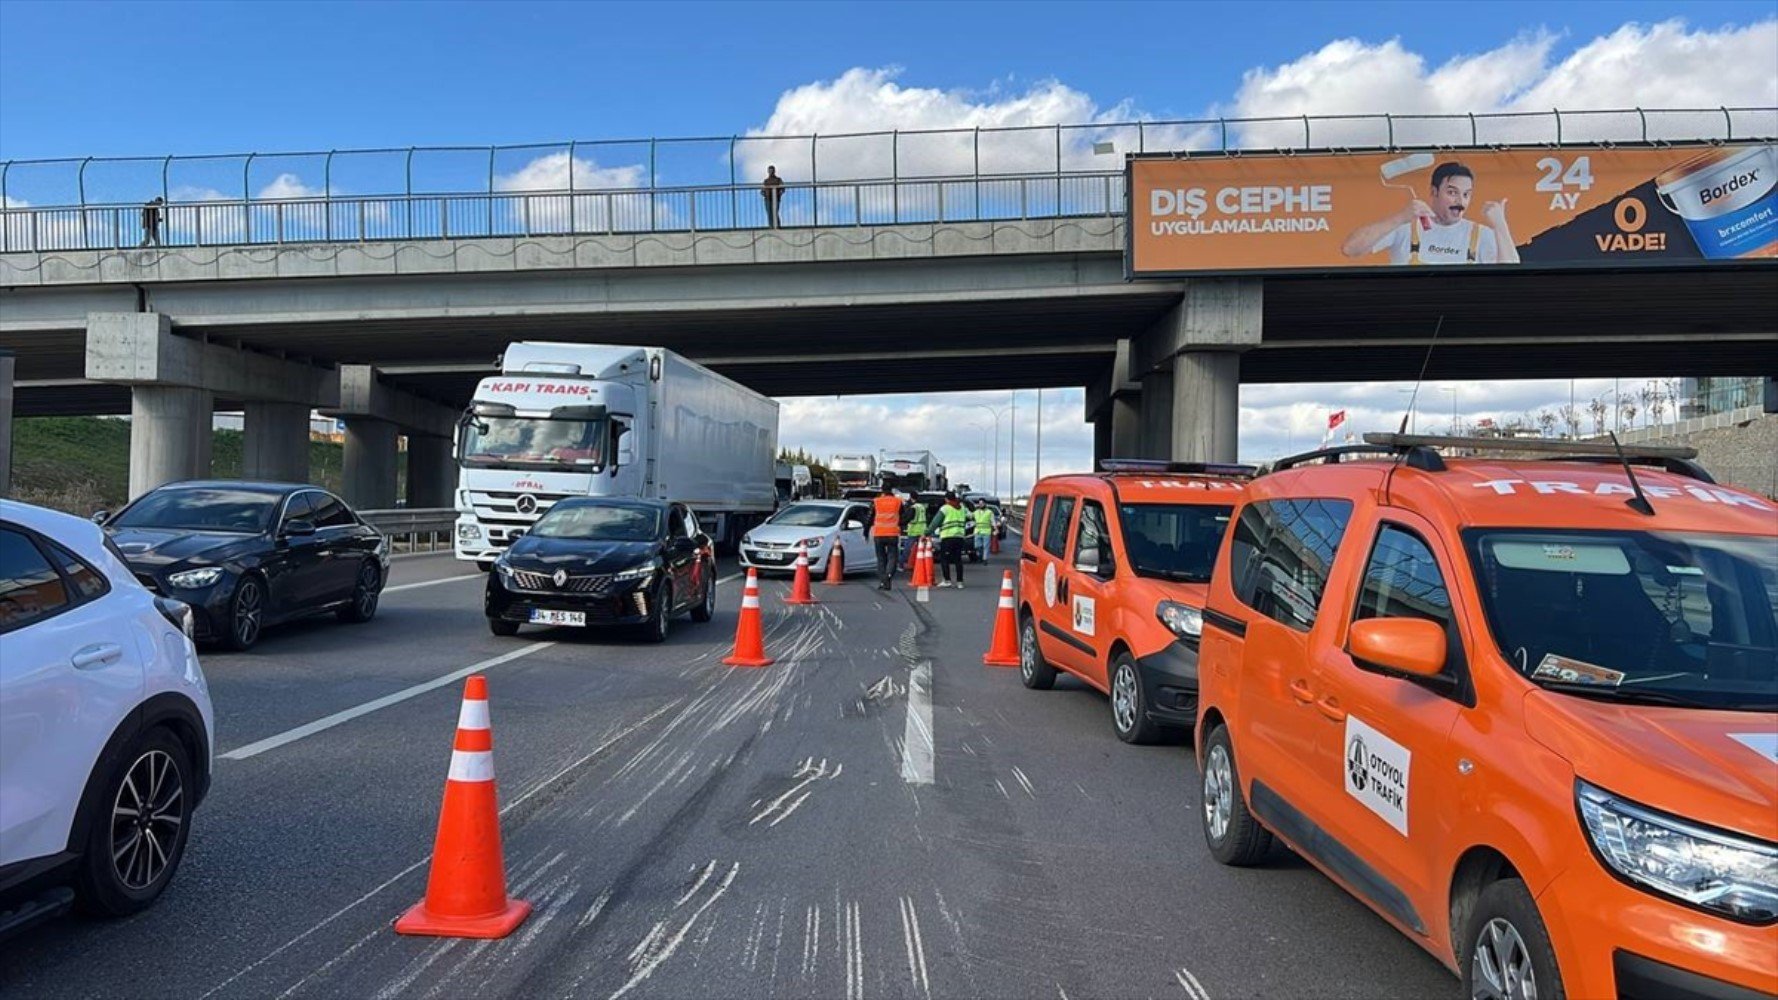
x=772, y=189
x=950, y=526
x=885, y=533
x=151, y=223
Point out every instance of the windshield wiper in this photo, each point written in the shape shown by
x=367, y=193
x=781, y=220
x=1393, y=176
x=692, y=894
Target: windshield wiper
x=1184, y=575
x=1638, y=695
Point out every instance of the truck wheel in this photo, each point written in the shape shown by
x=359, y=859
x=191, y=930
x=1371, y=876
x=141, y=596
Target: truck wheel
x=1507, y=951
x=1129, y=703
x=1234, y=836
x=136, y=840
x=1033, y=671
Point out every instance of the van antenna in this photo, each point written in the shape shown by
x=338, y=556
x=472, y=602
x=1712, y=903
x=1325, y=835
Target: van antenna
x=1638, y=503
x=1424, y=363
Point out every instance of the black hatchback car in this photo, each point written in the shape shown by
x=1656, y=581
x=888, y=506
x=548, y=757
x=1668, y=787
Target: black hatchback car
x=597, y=561
x=247, y=555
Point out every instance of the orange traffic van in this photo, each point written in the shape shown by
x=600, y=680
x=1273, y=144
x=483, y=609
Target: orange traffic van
x=1527, y=710
x=1112, y=575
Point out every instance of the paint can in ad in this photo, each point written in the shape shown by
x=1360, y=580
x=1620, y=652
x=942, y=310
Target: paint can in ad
x=1728, y=198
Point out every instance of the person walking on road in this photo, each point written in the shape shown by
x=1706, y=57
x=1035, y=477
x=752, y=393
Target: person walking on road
x=772, y=190
x=915, y=529
x=983, y=518
x=885, y=533
x=151, y=223
x=950, y=526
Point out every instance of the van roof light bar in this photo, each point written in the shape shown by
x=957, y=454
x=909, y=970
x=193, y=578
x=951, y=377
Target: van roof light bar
x=1155, y=466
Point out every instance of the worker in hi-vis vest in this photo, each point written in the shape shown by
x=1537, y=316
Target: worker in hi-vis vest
x=885, y=533
x=915, y=527
x=950, y=525
x=983, y=516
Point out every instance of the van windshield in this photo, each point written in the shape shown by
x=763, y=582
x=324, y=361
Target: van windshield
x=530, y=443
x=1173, y=541
x=1660, y=617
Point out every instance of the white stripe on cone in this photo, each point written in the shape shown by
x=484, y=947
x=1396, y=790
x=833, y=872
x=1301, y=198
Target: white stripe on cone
x=750, y=600
x=472, y=765
x=802, y=555
x=473, y=715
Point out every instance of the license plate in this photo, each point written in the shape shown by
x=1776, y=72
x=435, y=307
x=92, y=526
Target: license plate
x=776, y=557
x=541, y=617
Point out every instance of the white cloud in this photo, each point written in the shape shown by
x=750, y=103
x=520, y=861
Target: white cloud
x=580, y=213
x=288, y=185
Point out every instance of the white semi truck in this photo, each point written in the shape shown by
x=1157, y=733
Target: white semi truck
x=911, y=471
x=854, y=472
x=576, y=420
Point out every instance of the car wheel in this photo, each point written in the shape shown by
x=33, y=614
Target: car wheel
x=661, y=622
x=1508, y=955
x=1234, y=836
x=134, y=845
x=246, y=614
x=503, y=628
x=1033, y=671
x=706, y=608
x=1129, y=703
x=365, y=593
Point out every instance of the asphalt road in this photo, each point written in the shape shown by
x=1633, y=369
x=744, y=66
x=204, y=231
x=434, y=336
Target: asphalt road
x=685, y=829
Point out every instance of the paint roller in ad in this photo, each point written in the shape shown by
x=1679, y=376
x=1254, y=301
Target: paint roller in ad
x=1403, y=165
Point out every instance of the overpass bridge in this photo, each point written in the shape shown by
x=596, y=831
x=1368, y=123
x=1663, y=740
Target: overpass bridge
x=386, y=309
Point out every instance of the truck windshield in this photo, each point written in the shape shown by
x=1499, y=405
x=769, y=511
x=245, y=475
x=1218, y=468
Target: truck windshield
x=1657, y=617
x=529, y=443
x=1173, y=541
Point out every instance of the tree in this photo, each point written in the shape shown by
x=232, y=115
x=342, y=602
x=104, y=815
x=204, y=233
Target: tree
x=1598, y=408
x=1546, y=422
x=1571, y=419
x=1626, y=409
x=1652, y=401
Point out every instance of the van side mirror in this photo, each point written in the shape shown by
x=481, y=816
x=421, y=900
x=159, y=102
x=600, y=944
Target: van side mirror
x=1411, y=646
x=1087, y=562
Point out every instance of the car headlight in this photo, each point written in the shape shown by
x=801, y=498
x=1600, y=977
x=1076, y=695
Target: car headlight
x=642, y=572
x=196, y=579
x=469, y=532
x=503, y=567
x=1183, y=620
x=812, y=543
x=1722, y=872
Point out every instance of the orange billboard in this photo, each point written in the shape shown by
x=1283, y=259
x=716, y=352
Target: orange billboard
x=1547, y=207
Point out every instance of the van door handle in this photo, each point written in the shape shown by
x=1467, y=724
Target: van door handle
x=96, y=656
x=1301, y=691
x=1329, y=706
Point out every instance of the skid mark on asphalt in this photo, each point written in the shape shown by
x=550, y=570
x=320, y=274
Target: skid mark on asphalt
x=660, y=945
x=852, y=945
x=916, y=945
x=1023, y=781
x=1190, y=984
x=787, y=802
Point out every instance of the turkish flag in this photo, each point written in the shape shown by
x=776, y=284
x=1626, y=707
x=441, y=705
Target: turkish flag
x=1335, y=419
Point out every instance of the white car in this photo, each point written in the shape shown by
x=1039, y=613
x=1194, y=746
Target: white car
x=105, y=724
x=817, y=525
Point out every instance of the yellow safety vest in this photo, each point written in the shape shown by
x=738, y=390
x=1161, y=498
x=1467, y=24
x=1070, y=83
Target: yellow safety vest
x=952, y=522
x=984, y=521
x=917, y=527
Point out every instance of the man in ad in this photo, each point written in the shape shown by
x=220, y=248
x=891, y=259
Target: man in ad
x=1435, y=231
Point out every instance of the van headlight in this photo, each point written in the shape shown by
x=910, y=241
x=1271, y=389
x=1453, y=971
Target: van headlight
x=634, y=573
x=1724, y=873
x=1183, y=620
x=195, y=579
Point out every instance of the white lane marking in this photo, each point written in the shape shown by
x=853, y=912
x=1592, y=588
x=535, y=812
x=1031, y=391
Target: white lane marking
x=410, y=869
x=1190, y=984
x=432, y=583
x=910, y=936
x=916, y=742
x=731, y=578
x=338, y=718
x=653, y=960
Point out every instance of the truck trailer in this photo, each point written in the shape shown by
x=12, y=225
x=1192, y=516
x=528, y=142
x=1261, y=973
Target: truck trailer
x=605, y=420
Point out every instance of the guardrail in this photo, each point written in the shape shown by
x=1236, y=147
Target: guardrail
x=611, y=186
x=407, y=526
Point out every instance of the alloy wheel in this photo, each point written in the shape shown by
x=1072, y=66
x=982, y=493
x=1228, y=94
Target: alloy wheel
x=1123, y=697
x=146, y=819
x=1502, y=964
x=1219, y=792
x=1027, y=652
x=249, y=608
x=365, y=599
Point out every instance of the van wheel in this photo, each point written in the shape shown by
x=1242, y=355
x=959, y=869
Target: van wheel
x=1234, y=836
x=1033, y=671
x=1129, y=703
x=139, y=833
x=1508, y=955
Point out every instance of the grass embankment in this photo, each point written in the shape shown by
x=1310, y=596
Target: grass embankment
x=82, y=464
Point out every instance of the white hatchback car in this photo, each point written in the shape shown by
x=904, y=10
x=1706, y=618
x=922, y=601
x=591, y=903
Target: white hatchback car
x=105, y=724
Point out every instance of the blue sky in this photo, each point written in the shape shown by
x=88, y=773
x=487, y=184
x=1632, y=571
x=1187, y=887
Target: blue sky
x=147, y=79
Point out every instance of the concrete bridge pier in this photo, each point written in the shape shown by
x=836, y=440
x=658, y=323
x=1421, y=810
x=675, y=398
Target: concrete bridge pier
x=7, y=362
x=1114, y=408
x=375, y=415
x=174, y=381
x=1191, y=365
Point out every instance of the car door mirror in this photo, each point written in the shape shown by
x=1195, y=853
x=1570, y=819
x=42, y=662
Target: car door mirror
x=1411, y=646
x=298, y=528
x=101, y=516
x=854, y=525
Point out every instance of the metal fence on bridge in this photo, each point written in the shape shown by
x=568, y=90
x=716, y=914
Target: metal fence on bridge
x=697, y=184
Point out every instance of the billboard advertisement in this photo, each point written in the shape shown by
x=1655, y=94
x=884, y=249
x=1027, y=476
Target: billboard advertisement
x=1572, y=206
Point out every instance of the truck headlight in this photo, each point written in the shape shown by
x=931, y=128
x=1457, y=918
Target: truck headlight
x=195, y=579
x=1722, y=872
x=634, y=573
x=469, y=532
x=1183, y=620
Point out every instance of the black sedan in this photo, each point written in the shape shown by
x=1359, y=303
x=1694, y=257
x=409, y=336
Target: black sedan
x=248, y=555
x=605, y=562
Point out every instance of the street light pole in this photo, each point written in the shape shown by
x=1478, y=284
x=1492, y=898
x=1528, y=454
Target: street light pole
x=1453, y=391
x=996, y=412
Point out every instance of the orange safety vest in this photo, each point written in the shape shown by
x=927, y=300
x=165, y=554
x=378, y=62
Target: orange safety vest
x=887, y=522
x=1475, y=240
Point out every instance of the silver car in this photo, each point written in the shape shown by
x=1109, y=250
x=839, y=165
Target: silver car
x=818, y=524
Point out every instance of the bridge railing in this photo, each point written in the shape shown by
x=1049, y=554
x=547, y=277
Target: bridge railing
x=612, y=186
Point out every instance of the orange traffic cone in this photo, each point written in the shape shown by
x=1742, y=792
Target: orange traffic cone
x=923, y=572
x=1004, y=651
x=919, y=546
x=928, y=571
x=750, y=639
x=994, y=543
x=466, y=888
x=799, y=588
x=836, y=565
